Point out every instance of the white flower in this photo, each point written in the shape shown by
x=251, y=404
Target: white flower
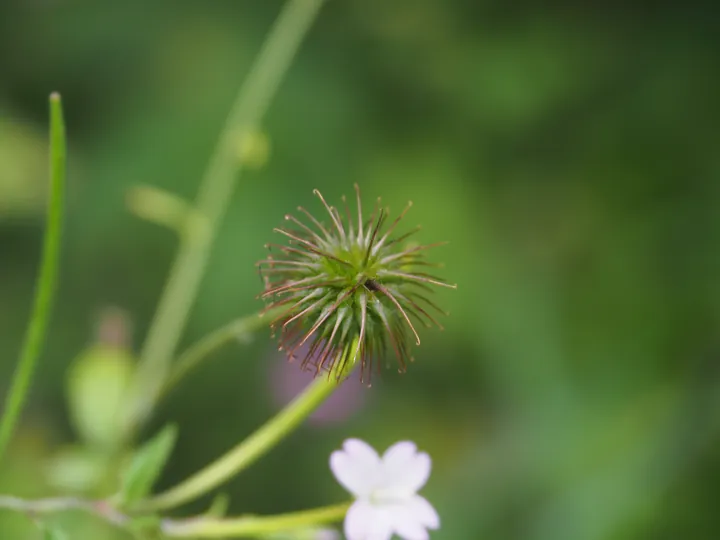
x=385, y=490
x=312, y=533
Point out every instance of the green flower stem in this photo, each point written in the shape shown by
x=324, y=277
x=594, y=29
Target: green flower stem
x=214, y=196
x=47, y=278
x=194, y=527
x=101, y=509
x=202, y=350
x=257, y=444
x=253, y=526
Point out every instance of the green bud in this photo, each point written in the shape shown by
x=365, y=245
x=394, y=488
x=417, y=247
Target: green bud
x=77, y=469
x=254, y=149
x=98, y=383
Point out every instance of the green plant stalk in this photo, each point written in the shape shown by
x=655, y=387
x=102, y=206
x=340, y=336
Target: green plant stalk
x=252, y=526
x=193, y=356
x=216, y=189
x=256, y=445
x=64, y=504
x=194, y=527
x=46, y=281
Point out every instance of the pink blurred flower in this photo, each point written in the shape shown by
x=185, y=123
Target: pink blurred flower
x=287, y=380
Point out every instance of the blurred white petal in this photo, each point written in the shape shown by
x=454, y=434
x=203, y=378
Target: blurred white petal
x=362, y=453
x=424, y=512
x=406, y=525
x=405, y=470
x=366, y=522
x=355, y=467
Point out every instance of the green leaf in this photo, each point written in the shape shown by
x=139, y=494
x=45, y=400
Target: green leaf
x=146, y=465
x=46, y=281
x=51, y=532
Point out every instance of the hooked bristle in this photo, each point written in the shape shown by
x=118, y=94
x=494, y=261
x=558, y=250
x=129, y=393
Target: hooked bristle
x=351, y=291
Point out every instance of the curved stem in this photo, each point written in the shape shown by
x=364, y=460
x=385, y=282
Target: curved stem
x=252, y=526
x=47, y=278
x=215, y=194
x=64, y=504
x=194, y=527
x=213, y=341
x=245, y=453
x=257, y=444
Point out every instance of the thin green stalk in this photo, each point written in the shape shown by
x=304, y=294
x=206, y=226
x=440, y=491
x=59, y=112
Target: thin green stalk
x=252, y=526
x=245, y=453
x=256, y=445
x=194, y=527
x=202, y=350
x=46, y=281
x=64, y=504
x=215, y=194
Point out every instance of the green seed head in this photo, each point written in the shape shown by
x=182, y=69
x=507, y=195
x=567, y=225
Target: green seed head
x=352, y=289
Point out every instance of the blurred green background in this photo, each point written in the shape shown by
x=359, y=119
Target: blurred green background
x=568, y=152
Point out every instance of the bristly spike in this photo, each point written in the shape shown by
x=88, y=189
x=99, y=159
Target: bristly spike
x=315, y=222
x=330, y=347
x=392, y=298
x=372, y=238
x=351, y=232
x=302, y=313
x=312, y=247
x=363, y=322
x=338, y=221
x=419, y=277
x=332, y=214
x=316, y=236
x=380, y=242
x=405, y=236
x=359, y=210
x=327, y=314
x=348, y=293
x=391, y=334
x=396, y=256
x=372, y=219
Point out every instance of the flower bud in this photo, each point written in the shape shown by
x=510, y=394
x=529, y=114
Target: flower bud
x=98, y=382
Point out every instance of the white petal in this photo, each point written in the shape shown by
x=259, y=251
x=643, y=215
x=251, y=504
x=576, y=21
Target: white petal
x=423, y=512
x=406, y=526
x=404, y=469
x=356, y=520
x=326, y=534
x=366, y=522
x=399, y=453
x=356, y=467
x=404, y=522
x=361, y=451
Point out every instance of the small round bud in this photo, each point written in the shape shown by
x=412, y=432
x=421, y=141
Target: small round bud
x=98, y=381
x=254, y=149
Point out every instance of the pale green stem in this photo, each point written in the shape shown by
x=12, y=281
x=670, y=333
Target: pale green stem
x=252, y=526
x=196, y=527
x=46, y=281
x=215, y=194
x=202, y=350
x=64, y=504
x=257, y=444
